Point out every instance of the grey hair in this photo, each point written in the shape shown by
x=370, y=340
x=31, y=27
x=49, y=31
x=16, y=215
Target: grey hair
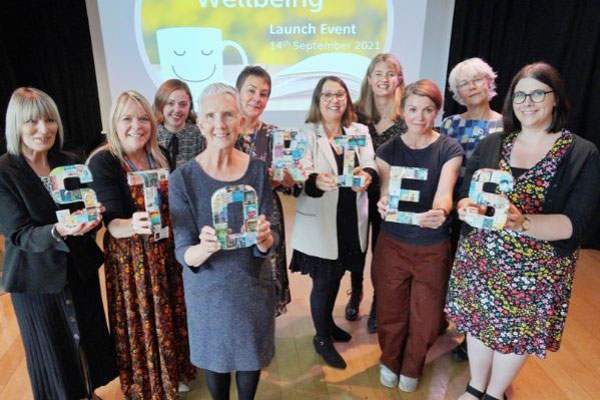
x=472, y=66
x=218, y=88
x=29, y=103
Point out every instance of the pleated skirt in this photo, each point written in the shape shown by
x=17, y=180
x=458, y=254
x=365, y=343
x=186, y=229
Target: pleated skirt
x=68, y=349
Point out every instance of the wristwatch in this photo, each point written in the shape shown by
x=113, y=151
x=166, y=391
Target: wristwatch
x=526, y=225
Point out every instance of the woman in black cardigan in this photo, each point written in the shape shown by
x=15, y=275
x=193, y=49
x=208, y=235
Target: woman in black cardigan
x=50, y=270
x=510, y=288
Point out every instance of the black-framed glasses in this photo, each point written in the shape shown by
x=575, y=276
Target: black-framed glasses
x=537, y=96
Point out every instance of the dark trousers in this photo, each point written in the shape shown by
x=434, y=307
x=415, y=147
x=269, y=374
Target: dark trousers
x=322, y=299
x=410, y=283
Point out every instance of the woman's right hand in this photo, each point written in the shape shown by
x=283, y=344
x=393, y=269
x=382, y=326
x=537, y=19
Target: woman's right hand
x=382, y=206
x=209, y=244
x=466, y=204
x=326, y=182
x=140, y=223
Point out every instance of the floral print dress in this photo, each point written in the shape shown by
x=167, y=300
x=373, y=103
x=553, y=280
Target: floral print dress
x=259, y=145
x=147, y=310
x=507, y=289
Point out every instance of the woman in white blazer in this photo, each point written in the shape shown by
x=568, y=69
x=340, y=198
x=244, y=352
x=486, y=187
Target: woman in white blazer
x=331, y=226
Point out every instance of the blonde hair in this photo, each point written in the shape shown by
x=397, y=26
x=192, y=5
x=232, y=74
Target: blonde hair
x=29, y=103
x=365, y=105
x=472, y=66
x=114, y=144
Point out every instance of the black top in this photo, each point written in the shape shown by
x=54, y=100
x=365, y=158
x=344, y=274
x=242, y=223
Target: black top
x=574, y=190
x=35, y=262
x=432, y=158
x=110, y=184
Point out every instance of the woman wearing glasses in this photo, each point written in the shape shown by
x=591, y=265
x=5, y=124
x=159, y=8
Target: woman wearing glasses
x=510, y=288
x=472, y=83
x=330, y=230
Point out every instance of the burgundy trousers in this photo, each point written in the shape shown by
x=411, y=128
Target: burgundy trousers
x=410, y=284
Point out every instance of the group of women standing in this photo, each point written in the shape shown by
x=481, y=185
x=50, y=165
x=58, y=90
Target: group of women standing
x=180, y=301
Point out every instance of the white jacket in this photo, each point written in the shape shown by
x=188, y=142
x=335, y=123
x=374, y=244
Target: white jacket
x=315, y=228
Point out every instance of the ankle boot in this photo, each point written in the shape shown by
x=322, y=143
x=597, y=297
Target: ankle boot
x=372, y=321
x=340, y=335
x=324, y=347
x=352, y=309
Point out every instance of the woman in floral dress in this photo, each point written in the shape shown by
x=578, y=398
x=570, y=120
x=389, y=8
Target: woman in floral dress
x=254, y=85
x=144, y=285
x=510, y=288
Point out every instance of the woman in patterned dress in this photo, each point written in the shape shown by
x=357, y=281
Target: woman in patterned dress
x=254, y=85
x=144, y=285
x=472, y=83
x=378, y=107
x=177, y=131
x=510, y=288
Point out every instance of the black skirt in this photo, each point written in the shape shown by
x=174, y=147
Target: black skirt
x=67, y=345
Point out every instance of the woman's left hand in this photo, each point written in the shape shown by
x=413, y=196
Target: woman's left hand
x=82, y=228
x=515, y=218
x=264, y=237
x=358, y=171
x=432, y=219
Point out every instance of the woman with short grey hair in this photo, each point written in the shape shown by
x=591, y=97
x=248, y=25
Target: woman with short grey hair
x=228, y=286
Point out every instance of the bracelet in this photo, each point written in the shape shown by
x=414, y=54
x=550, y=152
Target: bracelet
x=444, y=211
x=55, y=234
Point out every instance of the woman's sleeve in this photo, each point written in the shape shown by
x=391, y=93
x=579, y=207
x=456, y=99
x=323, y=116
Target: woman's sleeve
x=266, y=208
x=183, y=222
x=20, y=229
x=107, y=185
x=584, y=197
x=473, y=164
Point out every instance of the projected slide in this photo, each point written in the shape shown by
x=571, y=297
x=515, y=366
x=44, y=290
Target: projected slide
x=297, y=41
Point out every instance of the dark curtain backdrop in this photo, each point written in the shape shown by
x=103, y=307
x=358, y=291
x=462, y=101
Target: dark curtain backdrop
x=46, y=44
x=509, y=34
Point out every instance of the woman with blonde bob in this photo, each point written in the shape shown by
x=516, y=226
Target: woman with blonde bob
x=378, y=107
x=143, y=281
x=50, y=269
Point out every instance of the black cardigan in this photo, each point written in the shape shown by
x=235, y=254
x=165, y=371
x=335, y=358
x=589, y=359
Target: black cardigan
x=35, y=262
x=574, y=189
x=110, y=184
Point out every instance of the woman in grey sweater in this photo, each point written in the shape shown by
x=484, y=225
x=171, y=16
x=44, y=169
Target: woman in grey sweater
x=228, y=287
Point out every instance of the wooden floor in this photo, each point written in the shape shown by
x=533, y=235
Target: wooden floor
x=298, y=373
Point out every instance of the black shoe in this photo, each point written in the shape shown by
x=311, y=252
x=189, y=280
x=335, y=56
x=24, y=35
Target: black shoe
x=324, y=347
x=459, y=353
x=353, y=304
x=340, y=335
x=372, y=321
x=474, y=392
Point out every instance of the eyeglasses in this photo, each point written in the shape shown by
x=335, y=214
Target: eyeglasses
x=475, y=81
x=328, y=96
x=537, y=96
